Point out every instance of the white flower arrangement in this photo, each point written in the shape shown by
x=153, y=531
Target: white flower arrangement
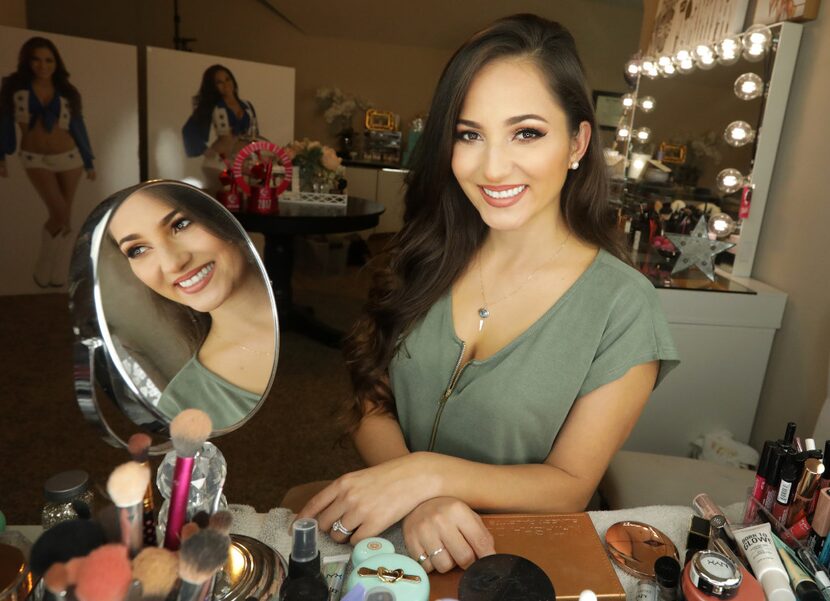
x=339, y=107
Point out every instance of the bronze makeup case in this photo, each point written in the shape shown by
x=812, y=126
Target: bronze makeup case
x=565, y=546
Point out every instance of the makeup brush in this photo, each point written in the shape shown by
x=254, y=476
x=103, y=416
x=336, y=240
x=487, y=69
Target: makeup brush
x=157, y=569
x=63, y=541
x=56, y=580
x=126, y=486
x=139, y=448
x=221, y=521
x=105, y=575
x=189, y=431
x=199, y=558
x=201, y=518
x=189, y=530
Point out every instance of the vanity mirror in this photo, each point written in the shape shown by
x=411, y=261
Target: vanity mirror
x=172, y=309
x=715, y=123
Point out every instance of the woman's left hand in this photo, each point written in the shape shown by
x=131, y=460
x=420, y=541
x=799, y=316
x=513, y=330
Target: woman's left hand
x=90, y=174
x=368, y=501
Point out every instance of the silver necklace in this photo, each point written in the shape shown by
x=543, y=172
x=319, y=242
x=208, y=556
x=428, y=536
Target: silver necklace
x=484, y=309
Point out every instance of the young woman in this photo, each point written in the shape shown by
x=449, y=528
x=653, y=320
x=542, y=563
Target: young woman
x=183, y=258
x=506, y=352
x=218, y=106
x=54, y=146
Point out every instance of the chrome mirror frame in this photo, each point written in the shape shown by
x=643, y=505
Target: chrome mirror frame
x=92, y=350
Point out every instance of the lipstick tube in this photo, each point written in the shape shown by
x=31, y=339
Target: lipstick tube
x=805, y=491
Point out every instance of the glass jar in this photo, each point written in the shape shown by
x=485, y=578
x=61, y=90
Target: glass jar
x=60, y=491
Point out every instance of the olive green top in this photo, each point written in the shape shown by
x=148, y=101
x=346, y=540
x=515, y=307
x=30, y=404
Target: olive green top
x=509, y=407
x=196, y=387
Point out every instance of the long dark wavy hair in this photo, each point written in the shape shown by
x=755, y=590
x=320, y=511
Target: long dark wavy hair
x=442, y=230
x=208, y=96
x=23, y=76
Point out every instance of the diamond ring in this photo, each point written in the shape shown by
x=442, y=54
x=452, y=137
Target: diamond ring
x=338, y=526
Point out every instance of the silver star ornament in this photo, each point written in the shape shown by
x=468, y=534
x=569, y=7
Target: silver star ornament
x=697, y=250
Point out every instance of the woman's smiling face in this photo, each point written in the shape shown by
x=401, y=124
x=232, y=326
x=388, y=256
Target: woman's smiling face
x=513, y=145
x=42, y=63
x=174, y=256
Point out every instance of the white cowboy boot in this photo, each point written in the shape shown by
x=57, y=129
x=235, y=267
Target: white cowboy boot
x=60, y=261
x=45, y=257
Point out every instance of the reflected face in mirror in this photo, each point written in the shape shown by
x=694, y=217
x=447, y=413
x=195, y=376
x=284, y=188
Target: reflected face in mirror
x=175, y=256
x=224, y=84
x=186, y=304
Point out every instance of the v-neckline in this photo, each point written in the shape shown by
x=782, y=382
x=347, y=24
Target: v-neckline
x=527, y=331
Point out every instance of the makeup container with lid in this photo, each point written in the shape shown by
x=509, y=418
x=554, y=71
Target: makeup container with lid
x=60, y=492
x=711, y=575
x=667, y=575
x=647, y=590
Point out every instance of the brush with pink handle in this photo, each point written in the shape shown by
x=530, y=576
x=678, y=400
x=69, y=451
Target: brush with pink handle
x=189, y=431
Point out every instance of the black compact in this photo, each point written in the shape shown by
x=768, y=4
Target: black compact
x=504, y=577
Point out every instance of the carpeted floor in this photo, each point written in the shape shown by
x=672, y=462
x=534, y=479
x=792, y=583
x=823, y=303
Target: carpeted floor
x=291, y=440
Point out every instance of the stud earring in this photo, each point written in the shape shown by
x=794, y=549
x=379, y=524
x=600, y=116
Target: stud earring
x=575, y=165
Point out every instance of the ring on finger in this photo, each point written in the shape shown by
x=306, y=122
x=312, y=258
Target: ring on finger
x=422, y=557
x=338, y=526
x=436, y=552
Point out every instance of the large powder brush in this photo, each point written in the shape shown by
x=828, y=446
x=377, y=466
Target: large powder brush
x=189, y=430
x=126, y=487
x=157, y=570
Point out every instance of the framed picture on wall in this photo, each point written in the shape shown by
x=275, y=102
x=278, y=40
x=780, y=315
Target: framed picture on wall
x=608, y=108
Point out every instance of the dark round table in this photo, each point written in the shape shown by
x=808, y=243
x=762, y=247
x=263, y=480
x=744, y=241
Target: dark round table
x=298, y=219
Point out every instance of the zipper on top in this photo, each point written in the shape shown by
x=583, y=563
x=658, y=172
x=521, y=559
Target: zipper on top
x=456, y=374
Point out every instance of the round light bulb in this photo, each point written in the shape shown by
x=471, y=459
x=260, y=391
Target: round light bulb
x=668, y=70
x=738, y=133
x=647, y=104
x=628, y=100
x=687, y=65
x=729, y=50
x=623, y=133
x=682, y=55
x=706, y=62
x=749, y=86
x=730, y=180
x=721, y=225
x=663, y=61
x=754, y=53
x=702, y=50
x=643, y=134
x=757, y=35
x=649, y=67
x=632, y=67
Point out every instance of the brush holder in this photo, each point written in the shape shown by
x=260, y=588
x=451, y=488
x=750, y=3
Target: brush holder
x=206, y=483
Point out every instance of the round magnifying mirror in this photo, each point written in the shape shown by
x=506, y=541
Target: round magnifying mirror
x=172, y=310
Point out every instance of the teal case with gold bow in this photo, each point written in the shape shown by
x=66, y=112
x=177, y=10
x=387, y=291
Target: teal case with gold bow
x=374, y=566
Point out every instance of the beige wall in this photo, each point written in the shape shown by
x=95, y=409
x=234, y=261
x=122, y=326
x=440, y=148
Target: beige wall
x=394, y=77
x=792, y=253
x=13, y=13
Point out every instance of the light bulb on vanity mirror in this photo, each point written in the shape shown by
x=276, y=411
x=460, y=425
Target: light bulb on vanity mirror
x=173, y=313
x=749, y=86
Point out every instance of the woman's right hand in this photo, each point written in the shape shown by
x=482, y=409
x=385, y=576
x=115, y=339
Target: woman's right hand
x=448, y=533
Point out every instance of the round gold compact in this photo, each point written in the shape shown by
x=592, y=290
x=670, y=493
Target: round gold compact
x=635, y=546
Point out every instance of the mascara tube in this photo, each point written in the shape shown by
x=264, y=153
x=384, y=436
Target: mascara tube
x=760, y=482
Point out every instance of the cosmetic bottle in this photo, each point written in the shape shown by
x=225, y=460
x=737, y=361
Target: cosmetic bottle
x=698, y=537
x=305, y=581
x=646, y=591
x=824, y=481
x=820, y=526
x=786, y=491
x=805, y=490
x=773, y=479
x=667, y=575
x=789, y=436
x=760, y=481
x=60, y=492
